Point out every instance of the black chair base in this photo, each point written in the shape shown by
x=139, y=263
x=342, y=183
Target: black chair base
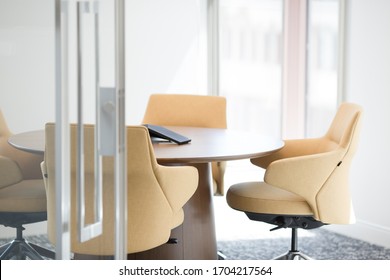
x=294, y=253
x=288, y=221
x=21, y=249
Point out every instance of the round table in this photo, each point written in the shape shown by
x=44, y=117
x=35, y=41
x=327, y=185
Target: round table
x=196, y=236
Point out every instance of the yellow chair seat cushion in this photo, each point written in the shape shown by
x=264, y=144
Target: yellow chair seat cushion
x=25, y=196
x=260, y=197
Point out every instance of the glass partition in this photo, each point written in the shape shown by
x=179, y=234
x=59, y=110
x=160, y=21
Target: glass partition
x=90, y=130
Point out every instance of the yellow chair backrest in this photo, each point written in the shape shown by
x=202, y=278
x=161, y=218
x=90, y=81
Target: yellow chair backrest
x=152, y=209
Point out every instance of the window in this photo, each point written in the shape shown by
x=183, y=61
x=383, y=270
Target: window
x=250, y=63
x=322, y=65
x=278, y=64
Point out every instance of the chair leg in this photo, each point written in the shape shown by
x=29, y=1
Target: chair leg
x=20, y=249
x=42, y=251
x=221, y=256
x=294, y=253
x=293, y=256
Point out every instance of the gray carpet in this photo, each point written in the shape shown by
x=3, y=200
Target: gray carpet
x=321, y=245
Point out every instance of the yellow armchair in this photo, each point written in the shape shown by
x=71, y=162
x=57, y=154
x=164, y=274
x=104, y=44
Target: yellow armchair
x=306, y=183
x=155, y=193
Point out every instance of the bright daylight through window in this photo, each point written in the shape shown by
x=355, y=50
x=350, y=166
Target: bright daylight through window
x=251, y=63
x=252, y=42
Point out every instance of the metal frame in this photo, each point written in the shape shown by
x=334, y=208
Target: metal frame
x=120, y=155
x=92, y=230
x=62, y=132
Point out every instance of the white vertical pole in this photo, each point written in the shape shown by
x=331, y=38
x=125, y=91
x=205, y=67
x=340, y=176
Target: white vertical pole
x=120, y=155
x=62, y=133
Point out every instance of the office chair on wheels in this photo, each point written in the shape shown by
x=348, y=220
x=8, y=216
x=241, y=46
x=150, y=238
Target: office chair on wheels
x=20, y=248
x=306, y=183
x=22, y=197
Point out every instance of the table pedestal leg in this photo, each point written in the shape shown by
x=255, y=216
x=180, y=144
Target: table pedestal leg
x=199, y=227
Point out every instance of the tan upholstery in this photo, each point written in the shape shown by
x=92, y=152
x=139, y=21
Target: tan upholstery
x=306, y=183
x=260, y=197
x=22, y=194
x=29, y=163
x=190, y=110
x=21, y=187
x=156, y=194
x=314, y=171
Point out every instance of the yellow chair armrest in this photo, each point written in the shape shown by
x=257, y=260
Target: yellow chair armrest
x=10, y=172
x=303, y=175
x=296, y=147
x=178, y=184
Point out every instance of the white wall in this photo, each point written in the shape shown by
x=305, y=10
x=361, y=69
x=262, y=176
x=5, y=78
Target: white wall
x=165, y=51
x=368, y=84
x=26, y=63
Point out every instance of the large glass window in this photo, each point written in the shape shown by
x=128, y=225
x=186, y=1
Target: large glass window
x=322, y=65
x=250, y=63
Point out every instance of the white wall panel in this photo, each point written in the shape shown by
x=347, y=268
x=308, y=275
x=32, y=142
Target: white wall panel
x=368, y=84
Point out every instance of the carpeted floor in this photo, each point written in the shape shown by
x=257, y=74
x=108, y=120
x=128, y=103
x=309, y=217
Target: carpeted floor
x=321, y=245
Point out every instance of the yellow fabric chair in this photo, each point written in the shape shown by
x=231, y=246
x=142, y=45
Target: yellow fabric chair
x=190, y=110
x=155, y=195
x=22, y=197
x=306, y=183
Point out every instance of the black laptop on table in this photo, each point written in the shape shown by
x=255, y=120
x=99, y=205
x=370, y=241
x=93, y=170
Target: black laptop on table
x=165, y=133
